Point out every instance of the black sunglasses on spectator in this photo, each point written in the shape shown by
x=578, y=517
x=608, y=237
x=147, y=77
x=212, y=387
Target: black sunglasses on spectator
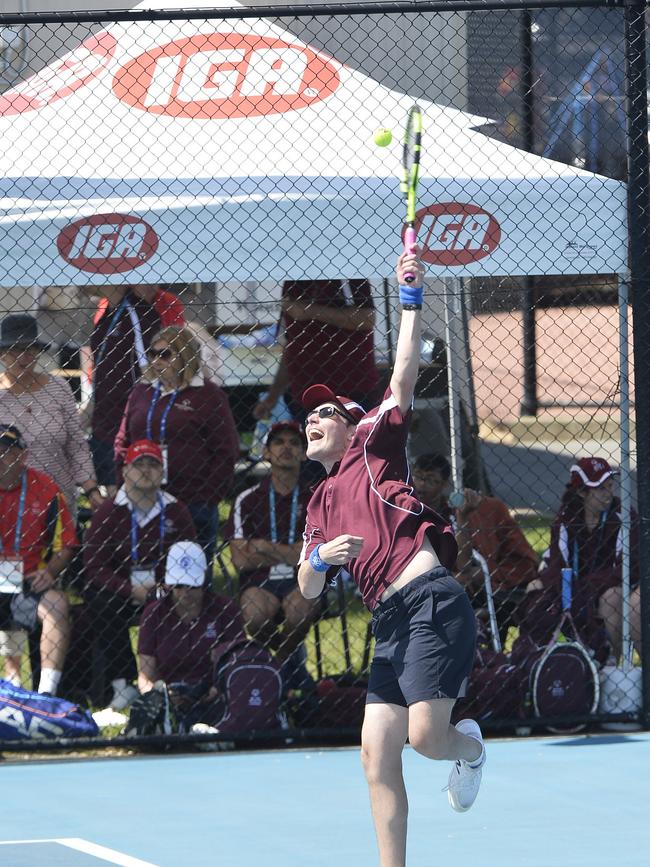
x=328, y=412
x=166, y=354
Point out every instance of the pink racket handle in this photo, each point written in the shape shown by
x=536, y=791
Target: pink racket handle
x=409, y=246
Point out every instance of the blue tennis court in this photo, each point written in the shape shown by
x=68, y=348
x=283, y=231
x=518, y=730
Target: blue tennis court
x=573, y=801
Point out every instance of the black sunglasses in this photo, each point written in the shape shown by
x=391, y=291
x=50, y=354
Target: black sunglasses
x=166, y=354
x=329, y=412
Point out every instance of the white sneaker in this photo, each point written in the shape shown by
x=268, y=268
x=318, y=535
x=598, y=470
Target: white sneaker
x=465, y=780
x=123, y=696
x=210, y=746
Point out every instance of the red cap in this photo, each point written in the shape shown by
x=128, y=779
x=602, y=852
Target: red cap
x=284, y=425
x=316, y=395
x=143, y=449
x=591, y=472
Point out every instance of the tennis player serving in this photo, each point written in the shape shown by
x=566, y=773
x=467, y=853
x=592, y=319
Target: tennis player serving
x=365, y=516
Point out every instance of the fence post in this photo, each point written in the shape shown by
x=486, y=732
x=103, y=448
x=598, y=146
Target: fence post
x=639, y=263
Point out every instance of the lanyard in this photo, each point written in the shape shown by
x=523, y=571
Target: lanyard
x=273, y=518
x=101, y=351
x=19, y=517
x=137, y=334
x=134, y=532
x=163, y=418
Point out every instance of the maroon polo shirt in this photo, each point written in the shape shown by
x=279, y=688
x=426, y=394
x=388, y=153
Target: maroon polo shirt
x=250, y=518
x=107, y=543
x=368, y=494
x=200, y=434
x=115, y=364
x=317, y=352
x=184, y=651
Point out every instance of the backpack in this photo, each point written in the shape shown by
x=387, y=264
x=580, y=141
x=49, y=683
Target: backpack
x=249, y=679
x=26, y=715
x=561, y=677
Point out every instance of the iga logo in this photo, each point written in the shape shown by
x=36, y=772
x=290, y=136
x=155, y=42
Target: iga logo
x=61, y=78
x=456, y=233
x=107, y=243
x=226, y=75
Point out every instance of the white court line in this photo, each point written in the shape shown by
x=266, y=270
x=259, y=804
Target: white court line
x=89, y=848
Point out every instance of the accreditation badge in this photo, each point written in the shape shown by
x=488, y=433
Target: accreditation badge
x=164, y=450
x=281, y=572
x=143, y=578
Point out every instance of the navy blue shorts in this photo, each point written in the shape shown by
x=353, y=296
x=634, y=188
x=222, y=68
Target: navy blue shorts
x=425, y=642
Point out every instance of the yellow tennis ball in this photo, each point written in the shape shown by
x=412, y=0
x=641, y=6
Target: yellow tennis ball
x=383, y=137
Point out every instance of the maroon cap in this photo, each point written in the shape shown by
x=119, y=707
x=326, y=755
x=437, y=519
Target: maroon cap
x=316, y=395
x=143, y=449
x=284, y=425
x=591, y=472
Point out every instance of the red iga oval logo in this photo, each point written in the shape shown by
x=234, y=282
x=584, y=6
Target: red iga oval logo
x=455, y=233
x=107, y=243
x=226, y=75
x=61, y=78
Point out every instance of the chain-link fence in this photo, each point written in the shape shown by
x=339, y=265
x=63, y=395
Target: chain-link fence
x=197, y=225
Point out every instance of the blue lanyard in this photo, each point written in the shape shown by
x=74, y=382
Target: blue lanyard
x=163, y=418
x=19, y=517
x=134, y=532
x=273, y=518
x=101, y=351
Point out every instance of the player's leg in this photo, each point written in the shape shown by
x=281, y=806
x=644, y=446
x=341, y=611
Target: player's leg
x=432, y=735
x=385, y=728
x=436, y=662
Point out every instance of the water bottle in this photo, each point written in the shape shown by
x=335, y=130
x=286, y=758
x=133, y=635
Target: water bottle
x=567, y=590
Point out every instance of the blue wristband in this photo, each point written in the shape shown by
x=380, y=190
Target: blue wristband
x=315, y=561
x=411, y=296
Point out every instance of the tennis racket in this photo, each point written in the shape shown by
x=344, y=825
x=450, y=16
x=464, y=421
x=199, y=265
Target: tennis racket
x=411, y=175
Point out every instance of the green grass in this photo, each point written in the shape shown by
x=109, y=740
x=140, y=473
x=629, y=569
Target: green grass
x=537, y=530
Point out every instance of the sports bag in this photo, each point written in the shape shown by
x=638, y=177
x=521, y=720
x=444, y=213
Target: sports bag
x=26, y=715
x=561, y=677
x=249, y=680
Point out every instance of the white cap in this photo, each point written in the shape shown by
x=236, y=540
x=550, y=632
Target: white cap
x=186, y=564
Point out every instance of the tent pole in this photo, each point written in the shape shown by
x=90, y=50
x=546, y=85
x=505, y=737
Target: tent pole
x=453, y=332
x=529, y=403
x=638, y=210
x=626, y=487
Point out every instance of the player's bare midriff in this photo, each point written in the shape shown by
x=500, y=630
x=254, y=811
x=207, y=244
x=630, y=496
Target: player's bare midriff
x=425, y=560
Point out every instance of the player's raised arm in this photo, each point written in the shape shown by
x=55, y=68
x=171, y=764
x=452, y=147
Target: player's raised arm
x=407, y=354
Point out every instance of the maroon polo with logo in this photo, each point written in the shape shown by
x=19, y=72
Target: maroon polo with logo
x=318, y=352
x=201, y=437
x=250, y=519
x=184, y=651
x=369, y=494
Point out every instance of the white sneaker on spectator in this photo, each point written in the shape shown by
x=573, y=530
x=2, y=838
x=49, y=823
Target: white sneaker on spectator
x=465, y=777
x=123, y=695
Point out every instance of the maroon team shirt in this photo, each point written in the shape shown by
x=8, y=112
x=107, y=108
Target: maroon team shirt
x=317, y=352
x=184, y=651
x=250, y=519
x=366, y=495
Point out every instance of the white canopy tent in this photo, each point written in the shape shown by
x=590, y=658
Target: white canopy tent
x=203, y=150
